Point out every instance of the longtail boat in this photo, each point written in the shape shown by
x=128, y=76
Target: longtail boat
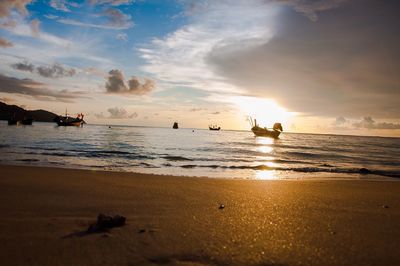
x=265, y=132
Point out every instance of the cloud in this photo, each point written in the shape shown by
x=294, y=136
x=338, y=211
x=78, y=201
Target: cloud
x=35, y=24
x=369, y=123
x=216, y=113
x=340, y=121
x=312, y=68
x=119, y=113
x=111, y=2
x=115, y=20
x=51, y=71
x=181, y=57
x=5, y=43
x=60, y=5
x=196, y=109
x=122, y=37
x=24, y=66
x=50, y=16
x=6, y=100
x=55, y=71
x=116, y=84
x=34, y=89
x=10, y=10
x=6, y=6
x=311, y=8
x=135, y=87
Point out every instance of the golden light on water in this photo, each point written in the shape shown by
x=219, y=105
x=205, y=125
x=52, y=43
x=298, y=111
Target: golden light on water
x=266, y=175
x=265, y=146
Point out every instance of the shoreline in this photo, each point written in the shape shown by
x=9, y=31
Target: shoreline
x=173, y=220
x=317, y=176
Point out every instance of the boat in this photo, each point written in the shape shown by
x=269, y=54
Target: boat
x=26, y=121
x=70, y=121
x=214, y=127
x=12, y=120
x=265, y=132
x=175, y=126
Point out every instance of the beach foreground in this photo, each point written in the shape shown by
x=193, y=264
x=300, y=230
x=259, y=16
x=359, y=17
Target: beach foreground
x=177, y=220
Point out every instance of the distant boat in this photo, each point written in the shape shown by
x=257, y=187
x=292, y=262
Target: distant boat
x=26, y=121
x=175, y=126
x=214, y=127
x=265, y=132
x=70, y=121
x=12, y=121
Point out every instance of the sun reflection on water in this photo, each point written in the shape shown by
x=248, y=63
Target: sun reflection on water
x=266, y=175
x=265, y=146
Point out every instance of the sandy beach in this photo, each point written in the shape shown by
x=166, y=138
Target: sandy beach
x=177, y=220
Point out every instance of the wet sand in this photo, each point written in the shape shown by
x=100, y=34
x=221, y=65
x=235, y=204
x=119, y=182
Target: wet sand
x=177, y=221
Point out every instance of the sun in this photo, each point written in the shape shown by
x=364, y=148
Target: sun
x=266, y=111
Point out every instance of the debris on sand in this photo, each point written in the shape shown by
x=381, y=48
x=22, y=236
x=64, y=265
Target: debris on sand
x=221, y=206
x=105, y=222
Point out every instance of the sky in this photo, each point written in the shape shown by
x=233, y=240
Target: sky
x=317, y=66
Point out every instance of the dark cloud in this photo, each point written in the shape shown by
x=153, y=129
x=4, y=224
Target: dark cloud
x=369, y=123
x=5, y=43
x=135, y=87
x=24, y=66
x=55, y=71
x=116, y=84
x=347, y=62
x=215, y=113
x=35, y=89
x=6, y=6
x=52, y=71
x=117, y=19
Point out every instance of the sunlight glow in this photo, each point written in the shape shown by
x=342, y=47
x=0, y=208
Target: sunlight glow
x=266, y=175
x=266, y=111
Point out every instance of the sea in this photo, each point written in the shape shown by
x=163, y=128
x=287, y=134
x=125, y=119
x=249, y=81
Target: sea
x=200, y=152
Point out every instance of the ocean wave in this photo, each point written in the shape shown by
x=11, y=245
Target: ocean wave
x=262, y=167
x=176, y=158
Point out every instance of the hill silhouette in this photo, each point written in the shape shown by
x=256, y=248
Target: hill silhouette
x=7, y=111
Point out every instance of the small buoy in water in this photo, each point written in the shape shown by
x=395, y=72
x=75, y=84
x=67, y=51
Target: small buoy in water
x=221, y=206
x=109, y=126
x=193, y=130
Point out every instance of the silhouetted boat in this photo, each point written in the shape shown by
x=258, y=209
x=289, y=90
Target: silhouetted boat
x=26, y=121
x=12, y=121
x=214, y=127
x=70, y=121
x=175, y=126
x=265, y=132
